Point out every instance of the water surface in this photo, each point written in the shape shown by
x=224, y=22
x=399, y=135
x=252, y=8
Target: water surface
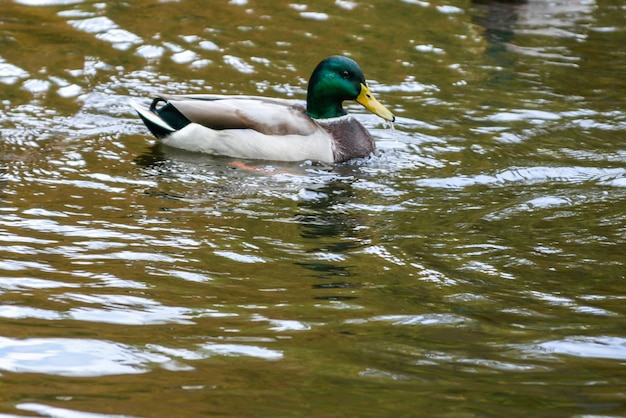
x=473, y=267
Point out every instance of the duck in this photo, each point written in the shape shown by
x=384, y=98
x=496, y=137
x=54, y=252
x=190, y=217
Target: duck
x=266, y=128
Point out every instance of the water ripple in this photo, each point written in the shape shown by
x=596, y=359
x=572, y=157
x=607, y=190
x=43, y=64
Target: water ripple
x=54, y=412
x=74, y=357
x=602, y=347
x=529, y=175
x=426, y=319
x=242, y=350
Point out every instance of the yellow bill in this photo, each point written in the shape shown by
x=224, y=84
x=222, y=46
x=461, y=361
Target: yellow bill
x=367, y=99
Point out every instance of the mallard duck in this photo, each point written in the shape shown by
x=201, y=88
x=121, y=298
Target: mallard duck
x=268, y=128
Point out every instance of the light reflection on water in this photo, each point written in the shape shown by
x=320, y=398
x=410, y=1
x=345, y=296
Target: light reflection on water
x=46, y=410
x=72, y=357
x=477, y=256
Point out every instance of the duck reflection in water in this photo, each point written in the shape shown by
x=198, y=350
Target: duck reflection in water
x=330, y=235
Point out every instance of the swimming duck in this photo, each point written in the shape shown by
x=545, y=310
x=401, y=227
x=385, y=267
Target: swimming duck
x=266, y=128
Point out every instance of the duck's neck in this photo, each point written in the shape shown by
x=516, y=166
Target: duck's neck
x=320, y=105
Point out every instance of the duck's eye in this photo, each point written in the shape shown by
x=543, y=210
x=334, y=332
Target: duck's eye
x=346, y=75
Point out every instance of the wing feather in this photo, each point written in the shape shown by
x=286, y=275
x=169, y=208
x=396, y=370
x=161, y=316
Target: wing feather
x=265, y=115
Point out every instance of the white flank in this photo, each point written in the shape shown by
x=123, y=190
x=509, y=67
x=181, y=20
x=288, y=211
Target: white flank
x=246, y=143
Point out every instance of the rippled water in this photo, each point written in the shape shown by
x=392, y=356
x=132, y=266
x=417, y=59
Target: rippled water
x=473, y=267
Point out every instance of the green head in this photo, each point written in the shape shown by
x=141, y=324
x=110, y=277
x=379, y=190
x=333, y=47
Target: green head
x=337, y=79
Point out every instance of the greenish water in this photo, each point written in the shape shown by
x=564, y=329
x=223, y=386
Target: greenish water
x=473, y=267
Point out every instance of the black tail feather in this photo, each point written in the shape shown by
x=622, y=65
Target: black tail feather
x=169, y=114
x=161, y=121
